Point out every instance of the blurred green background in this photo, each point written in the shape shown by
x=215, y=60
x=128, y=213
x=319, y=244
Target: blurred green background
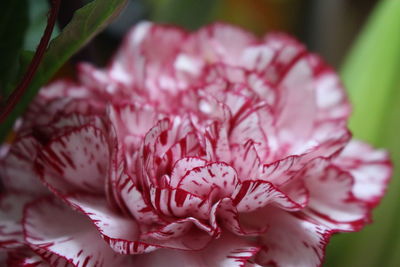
x=360, y=38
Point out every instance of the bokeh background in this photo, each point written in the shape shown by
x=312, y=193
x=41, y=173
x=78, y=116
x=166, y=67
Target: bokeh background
x=327, y=27
x=331, y=28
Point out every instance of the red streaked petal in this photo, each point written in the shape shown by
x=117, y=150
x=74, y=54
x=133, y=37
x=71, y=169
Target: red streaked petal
x=16, y=169
x=279, y=172
x=292, y=240
x=179, y=203
x=202, y=180
x=252, y=195
x=135, y=203
x=65, y=123
x=123, y=233
x=11, y=213
x=51, y=100
x=190, y=232
x=245, y=126
x=52, y=227
x=110, y=224
x=152, y=136
x=246, y=161
x=217, y=143
x=129, y=120
x=76, y=161
x=119, y=232
x=228, y=216
x=25, y=257
x=341, y=210
x=227, y=251
x=182, y=167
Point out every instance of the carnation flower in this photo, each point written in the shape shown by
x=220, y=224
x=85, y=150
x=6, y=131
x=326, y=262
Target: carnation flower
x=212, y=148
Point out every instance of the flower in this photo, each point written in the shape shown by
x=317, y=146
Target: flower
x=213, y=148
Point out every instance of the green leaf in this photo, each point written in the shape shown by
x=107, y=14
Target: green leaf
x=190, y=14
x=371, y=74
x=38, y=10
x=85, y=24
x=13, y=24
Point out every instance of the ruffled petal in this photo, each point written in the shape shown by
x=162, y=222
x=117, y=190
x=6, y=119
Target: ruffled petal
x=27, y=258
x=76, y=161
x=292, y=240
x=16, y=169
x=133, y=200
x=60, y=97
x=182, y=167
x=370, y=168
x=341, y=210
x=179, y=203
x=124, y=235
x=53, y=230
x=227, y=251
x=132, y=123
x=247, y=163
x=219, y=43
x=224, y=213
x=202, y=180
x=116, y=229
x=280, y=171
x=252, y=195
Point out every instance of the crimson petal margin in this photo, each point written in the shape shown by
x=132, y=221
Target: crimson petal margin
x=26, y=257
x=371, y=169
x=51, y=227
x=340, y=211
x=252, y=195
x=227, y=251
x=122, y=233
x=292, y=240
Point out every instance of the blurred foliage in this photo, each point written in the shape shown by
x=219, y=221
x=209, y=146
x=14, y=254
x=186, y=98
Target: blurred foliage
x=190, y=14
x=258, y=16
x=14, y=13
x=371, y=74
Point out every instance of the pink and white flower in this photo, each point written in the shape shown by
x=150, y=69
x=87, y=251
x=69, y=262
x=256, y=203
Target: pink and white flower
x=213, y=148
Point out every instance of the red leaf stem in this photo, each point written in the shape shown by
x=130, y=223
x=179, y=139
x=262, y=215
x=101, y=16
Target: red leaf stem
x=33, y=66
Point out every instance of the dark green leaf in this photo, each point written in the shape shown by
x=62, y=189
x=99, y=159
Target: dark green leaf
x=13, y=24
